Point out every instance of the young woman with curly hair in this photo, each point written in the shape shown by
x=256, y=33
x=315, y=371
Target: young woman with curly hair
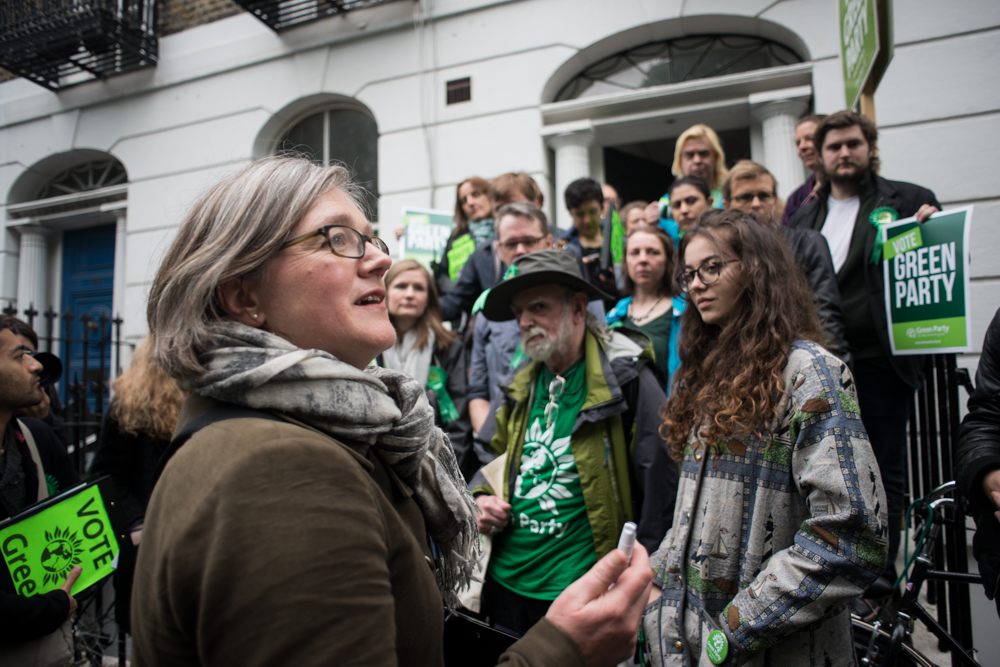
x=780, y=514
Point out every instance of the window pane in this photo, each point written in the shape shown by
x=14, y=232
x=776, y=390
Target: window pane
x=306, y=138
x=673, y=61
x=354, y=141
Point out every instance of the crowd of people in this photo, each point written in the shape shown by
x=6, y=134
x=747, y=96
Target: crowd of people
x=320, y=451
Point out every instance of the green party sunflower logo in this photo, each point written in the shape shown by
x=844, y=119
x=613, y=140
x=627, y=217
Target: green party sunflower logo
x=60, y=555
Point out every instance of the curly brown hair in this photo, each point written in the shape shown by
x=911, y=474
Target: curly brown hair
x=147, y=400
x=730, y=382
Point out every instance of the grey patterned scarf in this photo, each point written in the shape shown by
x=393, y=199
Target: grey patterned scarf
x=383, y=408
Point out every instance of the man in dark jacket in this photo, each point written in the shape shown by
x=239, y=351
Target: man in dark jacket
x=847, y=210
x=751, y=188
x=977, y=461
x=33, y=465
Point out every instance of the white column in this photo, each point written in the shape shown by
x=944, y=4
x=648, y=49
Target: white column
x=779, y=112
x=32, y=269
x=119, y=209
x=572, y=162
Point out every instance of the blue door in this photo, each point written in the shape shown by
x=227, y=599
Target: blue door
x=88, y=289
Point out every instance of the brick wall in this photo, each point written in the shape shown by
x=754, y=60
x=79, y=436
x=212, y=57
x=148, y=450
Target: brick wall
x=178, y=15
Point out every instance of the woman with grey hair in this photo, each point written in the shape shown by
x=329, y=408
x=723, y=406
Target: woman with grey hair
x=310, y=511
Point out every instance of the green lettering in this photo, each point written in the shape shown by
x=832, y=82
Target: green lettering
x=22, y=572
x=27, y=588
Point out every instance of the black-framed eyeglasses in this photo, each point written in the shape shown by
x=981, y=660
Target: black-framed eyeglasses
x=747, y=198
x=527, y=242
x=707, y=273
x=343, y=241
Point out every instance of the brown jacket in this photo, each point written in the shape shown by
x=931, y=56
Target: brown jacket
x=270, y=543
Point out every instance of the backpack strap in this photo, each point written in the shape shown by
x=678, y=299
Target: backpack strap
x=29, y=439
x=216, y=413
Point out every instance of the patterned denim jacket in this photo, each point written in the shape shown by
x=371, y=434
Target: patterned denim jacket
x=783, y=531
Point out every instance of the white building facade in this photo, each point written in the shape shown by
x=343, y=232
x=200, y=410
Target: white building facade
x=95, y=178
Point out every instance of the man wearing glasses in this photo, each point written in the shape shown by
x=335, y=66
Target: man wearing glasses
x=751, y=188
x=521, y=229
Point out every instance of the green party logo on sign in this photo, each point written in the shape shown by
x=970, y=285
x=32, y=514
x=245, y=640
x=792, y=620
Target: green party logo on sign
x=41, y=550
x=60, y=555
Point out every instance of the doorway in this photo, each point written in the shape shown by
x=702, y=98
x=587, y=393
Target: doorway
x=88, y=290
x=641, y=170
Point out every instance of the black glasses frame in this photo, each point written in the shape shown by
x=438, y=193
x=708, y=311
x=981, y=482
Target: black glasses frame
x=685, y=277
x=363, y=241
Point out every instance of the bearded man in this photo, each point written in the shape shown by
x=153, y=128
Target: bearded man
x=847, y=210
x=579, y=425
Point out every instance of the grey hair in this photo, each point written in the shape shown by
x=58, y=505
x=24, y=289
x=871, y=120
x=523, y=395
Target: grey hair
x=230, y=231
x=523, y=209
x=594, y=324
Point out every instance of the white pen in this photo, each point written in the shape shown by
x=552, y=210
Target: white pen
x=627, y=541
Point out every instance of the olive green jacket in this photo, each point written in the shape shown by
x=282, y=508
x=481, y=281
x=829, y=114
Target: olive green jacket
x=623, y=462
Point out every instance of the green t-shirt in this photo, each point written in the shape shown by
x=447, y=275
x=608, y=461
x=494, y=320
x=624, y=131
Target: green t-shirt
x=548, y=543
x=658, y=333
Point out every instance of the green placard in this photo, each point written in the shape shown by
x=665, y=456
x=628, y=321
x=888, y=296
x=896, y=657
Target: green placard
x=426, y=235
x=926, y=270
x=909, y=240
x=42, y=549
x=859, y=45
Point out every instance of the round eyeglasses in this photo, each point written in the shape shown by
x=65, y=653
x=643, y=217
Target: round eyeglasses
x=707, y=273
x=343, y=241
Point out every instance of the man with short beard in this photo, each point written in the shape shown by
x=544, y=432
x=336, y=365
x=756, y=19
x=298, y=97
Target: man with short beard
x=33, y=466
x=847, y=210
x=579, y=426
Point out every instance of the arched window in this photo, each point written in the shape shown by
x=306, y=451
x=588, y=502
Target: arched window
x=676, y=60
x=91, y=175
x=340, y=135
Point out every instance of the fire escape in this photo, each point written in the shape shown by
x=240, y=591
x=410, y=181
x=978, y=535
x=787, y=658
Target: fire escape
x=283, y=14
x=60, y=43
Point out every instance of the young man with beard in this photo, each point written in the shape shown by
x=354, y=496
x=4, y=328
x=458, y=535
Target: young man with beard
x=33, y=466
x=847, y=209
x=580, y=427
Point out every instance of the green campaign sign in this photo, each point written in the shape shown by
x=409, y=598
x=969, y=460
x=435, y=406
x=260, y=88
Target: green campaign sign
x=926, y=271
x=426, y=235
x=41, y=550
x=859, y=45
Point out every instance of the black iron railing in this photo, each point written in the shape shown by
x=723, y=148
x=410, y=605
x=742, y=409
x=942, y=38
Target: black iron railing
x=59, y=43
x=282, y=14
x=91, y=357
x=932, y=437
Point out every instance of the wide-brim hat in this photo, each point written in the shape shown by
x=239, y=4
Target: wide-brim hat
x=545, y=267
